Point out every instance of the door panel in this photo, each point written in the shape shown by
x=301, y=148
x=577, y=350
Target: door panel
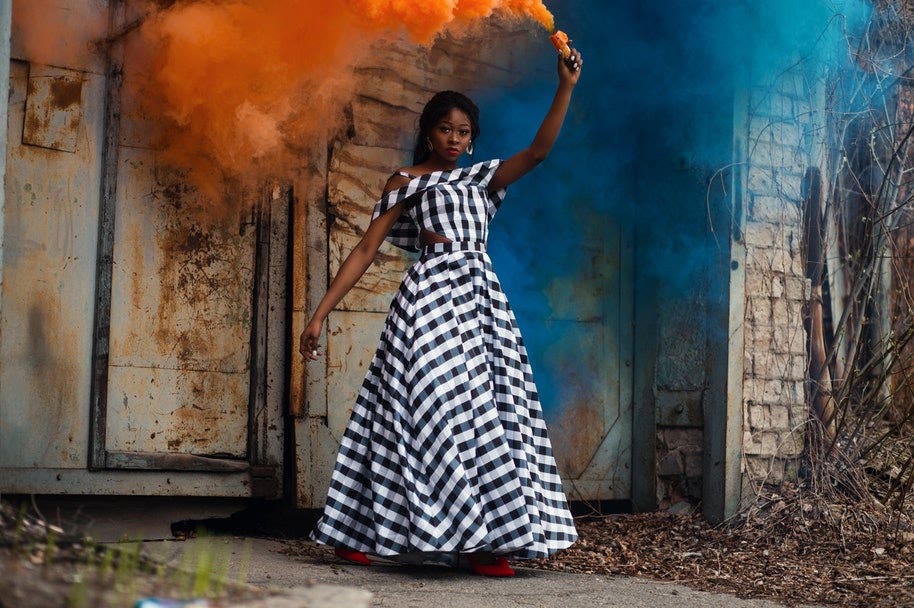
x=573, y=308
x=182, y=284
x=177, y=411
x=132, y=323
x=353, y=340
x=354, y=327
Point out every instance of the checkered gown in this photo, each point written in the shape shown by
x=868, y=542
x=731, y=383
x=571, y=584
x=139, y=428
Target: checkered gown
x=446, y=449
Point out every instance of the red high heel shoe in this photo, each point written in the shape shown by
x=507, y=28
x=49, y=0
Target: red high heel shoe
x=351, y=555
x=499, y=567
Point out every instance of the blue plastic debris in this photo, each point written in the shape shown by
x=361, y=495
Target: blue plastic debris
x=159, y=602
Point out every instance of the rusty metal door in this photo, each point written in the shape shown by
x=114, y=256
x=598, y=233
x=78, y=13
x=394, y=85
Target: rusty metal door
x=178, y=373
x=48, y=257
x=191, y=340
x=144, y=324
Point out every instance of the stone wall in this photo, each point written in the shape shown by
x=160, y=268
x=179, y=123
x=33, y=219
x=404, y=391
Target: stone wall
x=783, y=133
x=680, y=385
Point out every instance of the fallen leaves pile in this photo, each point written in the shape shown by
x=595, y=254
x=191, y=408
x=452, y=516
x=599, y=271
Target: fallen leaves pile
x=794, y=548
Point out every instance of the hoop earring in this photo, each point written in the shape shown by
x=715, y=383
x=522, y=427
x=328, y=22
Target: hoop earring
x=470, y=149
x=428, y=142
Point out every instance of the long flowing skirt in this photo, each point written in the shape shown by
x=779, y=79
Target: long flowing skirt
x=446, y=449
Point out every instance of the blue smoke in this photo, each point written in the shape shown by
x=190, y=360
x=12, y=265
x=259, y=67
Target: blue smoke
x=650, y=123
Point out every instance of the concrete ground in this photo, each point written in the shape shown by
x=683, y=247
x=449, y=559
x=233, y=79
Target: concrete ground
x=315, y=579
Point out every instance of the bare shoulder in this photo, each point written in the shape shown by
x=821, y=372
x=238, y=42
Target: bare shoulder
x=397, y=180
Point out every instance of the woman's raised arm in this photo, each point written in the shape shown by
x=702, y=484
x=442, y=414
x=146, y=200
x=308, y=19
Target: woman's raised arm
x=515, y=167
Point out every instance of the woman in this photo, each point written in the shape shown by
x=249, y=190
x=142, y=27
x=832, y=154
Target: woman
x=446, y=449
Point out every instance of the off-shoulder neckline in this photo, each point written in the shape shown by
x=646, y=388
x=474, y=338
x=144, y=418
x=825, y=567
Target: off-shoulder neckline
x=412, y=177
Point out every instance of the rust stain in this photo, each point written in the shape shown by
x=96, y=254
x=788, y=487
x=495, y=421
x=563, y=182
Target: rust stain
x=194, y=423
x=39, y=352
x=53, y=111
x=189, y=291
x=66, y=92
x=576, y=437
x=196, y=271
x=134, y=243
x=35, y=123
x=577, y=419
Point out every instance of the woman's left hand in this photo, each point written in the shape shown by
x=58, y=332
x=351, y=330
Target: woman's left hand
x=568, y=74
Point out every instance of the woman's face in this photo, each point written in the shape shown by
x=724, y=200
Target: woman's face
x=450, y=137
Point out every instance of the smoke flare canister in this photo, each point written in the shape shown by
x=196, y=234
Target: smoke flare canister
x=560, y=42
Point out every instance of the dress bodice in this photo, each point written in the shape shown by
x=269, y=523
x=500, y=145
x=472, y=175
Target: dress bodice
x=455, y=204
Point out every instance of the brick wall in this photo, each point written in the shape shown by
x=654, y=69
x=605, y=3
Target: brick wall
x=782, y=133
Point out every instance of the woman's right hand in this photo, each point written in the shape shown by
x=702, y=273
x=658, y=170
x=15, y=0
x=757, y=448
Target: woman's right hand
x=308, y=346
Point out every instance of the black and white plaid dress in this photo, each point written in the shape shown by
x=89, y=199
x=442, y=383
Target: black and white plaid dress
x=446, y=450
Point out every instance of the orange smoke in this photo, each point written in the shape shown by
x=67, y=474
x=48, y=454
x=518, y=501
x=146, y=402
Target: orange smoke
x=425, y=20
x=242, y=83
x=531, y=8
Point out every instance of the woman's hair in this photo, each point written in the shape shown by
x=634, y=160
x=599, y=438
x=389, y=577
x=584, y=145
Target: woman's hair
x=437, y=108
